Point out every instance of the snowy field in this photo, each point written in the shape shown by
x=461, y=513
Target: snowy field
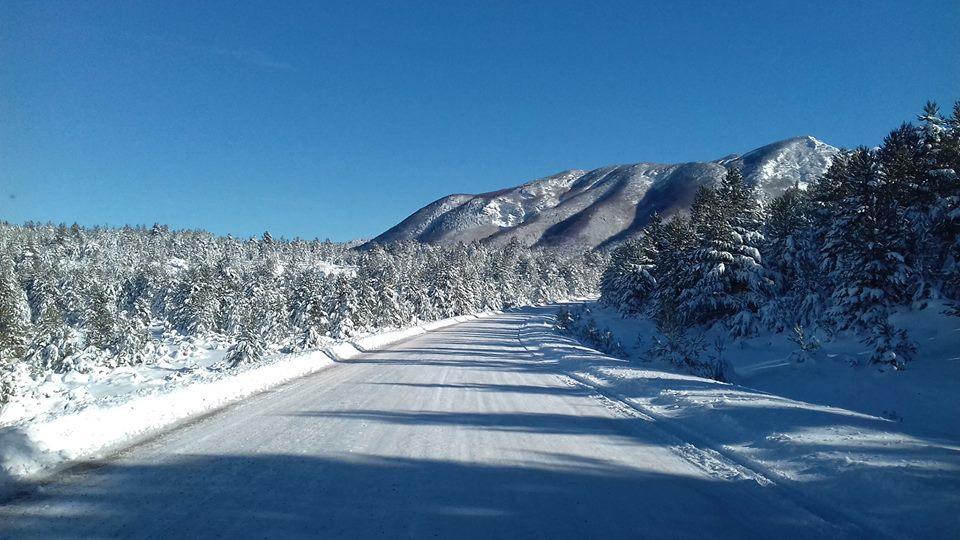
x=862, y=437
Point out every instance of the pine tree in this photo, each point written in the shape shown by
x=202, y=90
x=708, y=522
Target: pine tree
x=307, y=315
x=628, y=281
x=727, y=276
x=247, y=349
x=868, y=271
x=674, y=245
x=195, y=303
x=941, y=140
x=789, y=252
x=342, y=309
x=263, y=303
x=904, y=163
x=14, y=315
x=130, y=339
x=100, y=321
x=51, y=347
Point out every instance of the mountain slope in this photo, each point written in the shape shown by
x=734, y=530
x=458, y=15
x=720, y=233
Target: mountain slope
x=595, y=208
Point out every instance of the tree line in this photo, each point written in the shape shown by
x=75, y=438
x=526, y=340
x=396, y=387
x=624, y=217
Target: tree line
x=73, y=296
x=878, y=232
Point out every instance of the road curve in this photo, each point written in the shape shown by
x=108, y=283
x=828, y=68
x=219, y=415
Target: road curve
x=455, y=433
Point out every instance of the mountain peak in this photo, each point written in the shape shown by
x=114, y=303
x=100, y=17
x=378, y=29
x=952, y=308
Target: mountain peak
x=600, y=207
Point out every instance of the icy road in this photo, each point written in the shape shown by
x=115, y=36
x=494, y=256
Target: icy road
x=456, y=433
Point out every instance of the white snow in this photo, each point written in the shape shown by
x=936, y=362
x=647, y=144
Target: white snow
x=527, y=211
x=460, y=433
x=800, y=160
x=86, y=415
x=504, y=419
x=883, y=444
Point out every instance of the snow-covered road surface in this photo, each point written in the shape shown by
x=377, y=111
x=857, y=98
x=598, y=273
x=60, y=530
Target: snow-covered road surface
x=455, y=433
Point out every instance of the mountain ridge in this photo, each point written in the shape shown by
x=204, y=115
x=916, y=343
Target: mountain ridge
x=599, y=207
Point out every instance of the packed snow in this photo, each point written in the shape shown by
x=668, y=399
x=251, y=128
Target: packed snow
x=468, y=432
x=77, y=415
x=857, y=436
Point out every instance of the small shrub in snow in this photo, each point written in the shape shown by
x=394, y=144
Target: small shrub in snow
x=13, y=377
x=565, y=320
x=890, y=345
x=311, y=338
x=248, y=348
x=683, y=350
x=601, y=339
x=717, y=360
x=674, y=344
x=808, y=345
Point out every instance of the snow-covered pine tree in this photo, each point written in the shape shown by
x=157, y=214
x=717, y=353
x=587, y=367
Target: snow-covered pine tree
x=527, y=274
x=195, y=304
x=865, y=244
x=629, y=280
x=131, y=339
x=506, y=273
x=101, y=317
x=674, y=247
x=52, y=345
x=796, y=296
x=246, y=349
x=550, y=285
x=14, y=315
x=727, y=280
x=263, y=302
x=377, y=295
x=945, y=216
x=890, y=345
x=342, y=308
x=903, y=164
x=229, y=288
x=307, y=316
x=939, y=200
x=448, y=290
x=389, y=313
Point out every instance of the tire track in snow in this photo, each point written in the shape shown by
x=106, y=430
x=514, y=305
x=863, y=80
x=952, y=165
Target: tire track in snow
x=706, y=455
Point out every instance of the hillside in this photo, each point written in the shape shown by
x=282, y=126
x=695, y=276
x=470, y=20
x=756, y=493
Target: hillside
x=578, y=208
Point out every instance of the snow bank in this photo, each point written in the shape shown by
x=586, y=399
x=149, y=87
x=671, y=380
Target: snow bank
x=881, y=449
x=35, y=447
x=29, y=449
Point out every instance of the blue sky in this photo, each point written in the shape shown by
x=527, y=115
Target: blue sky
x=338, y=119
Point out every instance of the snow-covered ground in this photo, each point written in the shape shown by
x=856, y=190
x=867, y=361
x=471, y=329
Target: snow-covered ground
x=882, y=444
x=459, y=433
x=503, y=424
x=80, y=415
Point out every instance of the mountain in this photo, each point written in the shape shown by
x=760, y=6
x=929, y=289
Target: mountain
x=579, y=208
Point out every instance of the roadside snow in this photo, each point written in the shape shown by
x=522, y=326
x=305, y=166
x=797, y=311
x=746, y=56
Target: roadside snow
x=87, y=415
x=880, y=447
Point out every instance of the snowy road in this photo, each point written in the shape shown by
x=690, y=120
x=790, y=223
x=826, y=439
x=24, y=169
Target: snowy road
x=455, y=433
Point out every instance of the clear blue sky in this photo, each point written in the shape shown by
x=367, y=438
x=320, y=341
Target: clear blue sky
x=337, y=119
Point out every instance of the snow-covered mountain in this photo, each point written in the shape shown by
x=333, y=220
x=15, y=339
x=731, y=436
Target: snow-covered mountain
x=599, y=207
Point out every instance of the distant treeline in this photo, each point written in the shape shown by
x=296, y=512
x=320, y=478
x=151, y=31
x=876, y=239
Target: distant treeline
x=73, y=295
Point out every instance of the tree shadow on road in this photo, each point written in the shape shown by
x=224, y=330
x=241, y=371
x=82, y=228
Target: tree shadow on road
x=285, y=495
